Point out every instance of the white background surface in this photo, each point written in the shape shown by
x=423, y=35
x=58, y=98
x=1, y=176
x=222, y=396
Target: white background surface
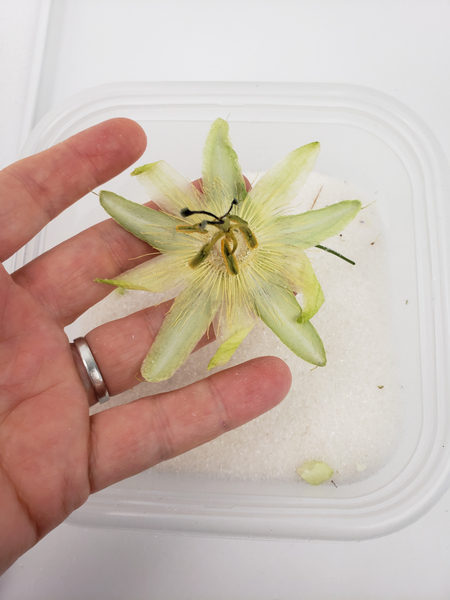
x=397, y=47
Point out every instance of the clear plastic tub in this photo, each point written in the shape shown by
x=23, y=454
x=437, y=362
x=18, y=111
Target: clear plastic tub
x=383, y=148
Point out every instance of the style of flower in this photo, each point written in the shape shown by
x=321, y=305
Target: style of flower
x=228, y=255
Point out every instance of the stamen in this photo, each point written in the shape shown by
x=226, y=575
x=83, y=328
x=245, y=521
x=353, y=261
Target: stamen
x=205, y=250
x=231, y=235
x=229, y=258
x=249, y=236
x=238, y=220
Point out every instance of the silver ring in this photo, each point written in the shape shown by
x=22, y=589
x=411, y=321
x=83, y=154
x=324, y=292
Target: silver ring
x=92, y=369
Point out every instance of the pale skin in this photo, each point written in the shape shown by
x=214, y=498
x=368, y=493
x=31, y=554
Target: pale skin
x=53, y=455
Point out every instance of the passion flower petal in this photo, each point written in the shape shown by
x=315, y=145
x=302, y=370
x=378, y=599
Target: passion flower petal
x=160, y=274
x=167, y=188
x=180, y=332
x=304, y=281
x=289, y=267
x=310, y=228
x=155, y=227
x=281, y=184
x=227, y=349
x=279, y=310
x=233, y=316
x=222, y=176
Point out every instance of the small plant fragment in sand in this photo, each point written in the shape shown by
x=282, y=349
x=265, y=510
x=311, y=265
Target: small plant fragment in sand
x=315, y=472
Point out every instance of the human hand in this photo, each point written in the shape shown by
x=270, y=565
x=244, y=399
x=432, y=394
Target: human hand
x=53, y=454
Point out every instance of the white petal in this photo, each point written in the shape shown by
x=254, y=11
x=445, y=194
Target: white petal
x=160, y=274
x=289, y=267
x=184, y=325
x=155, y=227
x=314, y=226
x=279, y=310
x=280, y=185
x=227, y=349
x=222, y=176
x=235, y=313
x=167, y=188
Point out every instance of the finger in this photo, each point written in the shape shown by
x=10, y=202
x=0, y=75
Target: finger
x=62, y=279
x=129, y=439
x=37, y=188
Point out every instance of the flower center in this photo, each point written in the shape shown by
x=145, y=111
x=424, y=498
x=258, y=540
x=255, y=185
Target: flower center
x=233, y=233
x=217, y=259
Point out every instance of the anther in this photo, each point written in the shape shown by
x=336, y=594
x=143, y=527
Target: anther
x=249, y=236
x=205, y=250
x=229, y=258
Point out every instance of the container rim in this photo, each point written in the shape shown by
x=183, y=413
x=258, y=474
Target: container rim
x=379, y=514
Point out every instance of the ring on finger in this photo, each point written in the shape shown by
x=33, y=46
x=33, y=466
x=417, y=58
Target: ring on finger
x=95, y=377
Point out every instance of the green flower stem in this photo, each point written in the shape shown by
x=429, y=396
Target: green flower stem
x=335, y=253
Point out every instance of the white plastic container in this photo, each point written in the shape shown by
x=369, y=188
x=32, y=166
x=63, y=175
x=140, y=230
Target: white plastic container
x=383, y=148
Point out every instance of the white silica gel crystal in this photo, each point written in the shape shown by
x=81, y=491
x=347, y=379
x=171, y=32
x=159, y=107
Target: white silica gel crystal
x=346, y=414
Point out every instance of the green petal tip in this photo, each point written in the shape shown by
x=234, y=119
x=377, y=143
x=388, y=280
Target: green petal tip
x=108, y=281
x=143, y=169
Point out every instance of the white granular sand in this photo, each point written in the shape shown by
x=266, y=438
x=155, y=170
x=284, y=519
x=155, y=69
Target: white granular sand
x=348, y=413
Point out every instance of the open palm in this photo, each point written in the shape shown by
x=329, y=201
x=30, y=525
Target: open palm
x=52, y=453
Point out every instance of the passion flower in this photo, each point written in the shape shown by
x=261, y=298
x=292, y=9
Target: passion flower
x=230, y=256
